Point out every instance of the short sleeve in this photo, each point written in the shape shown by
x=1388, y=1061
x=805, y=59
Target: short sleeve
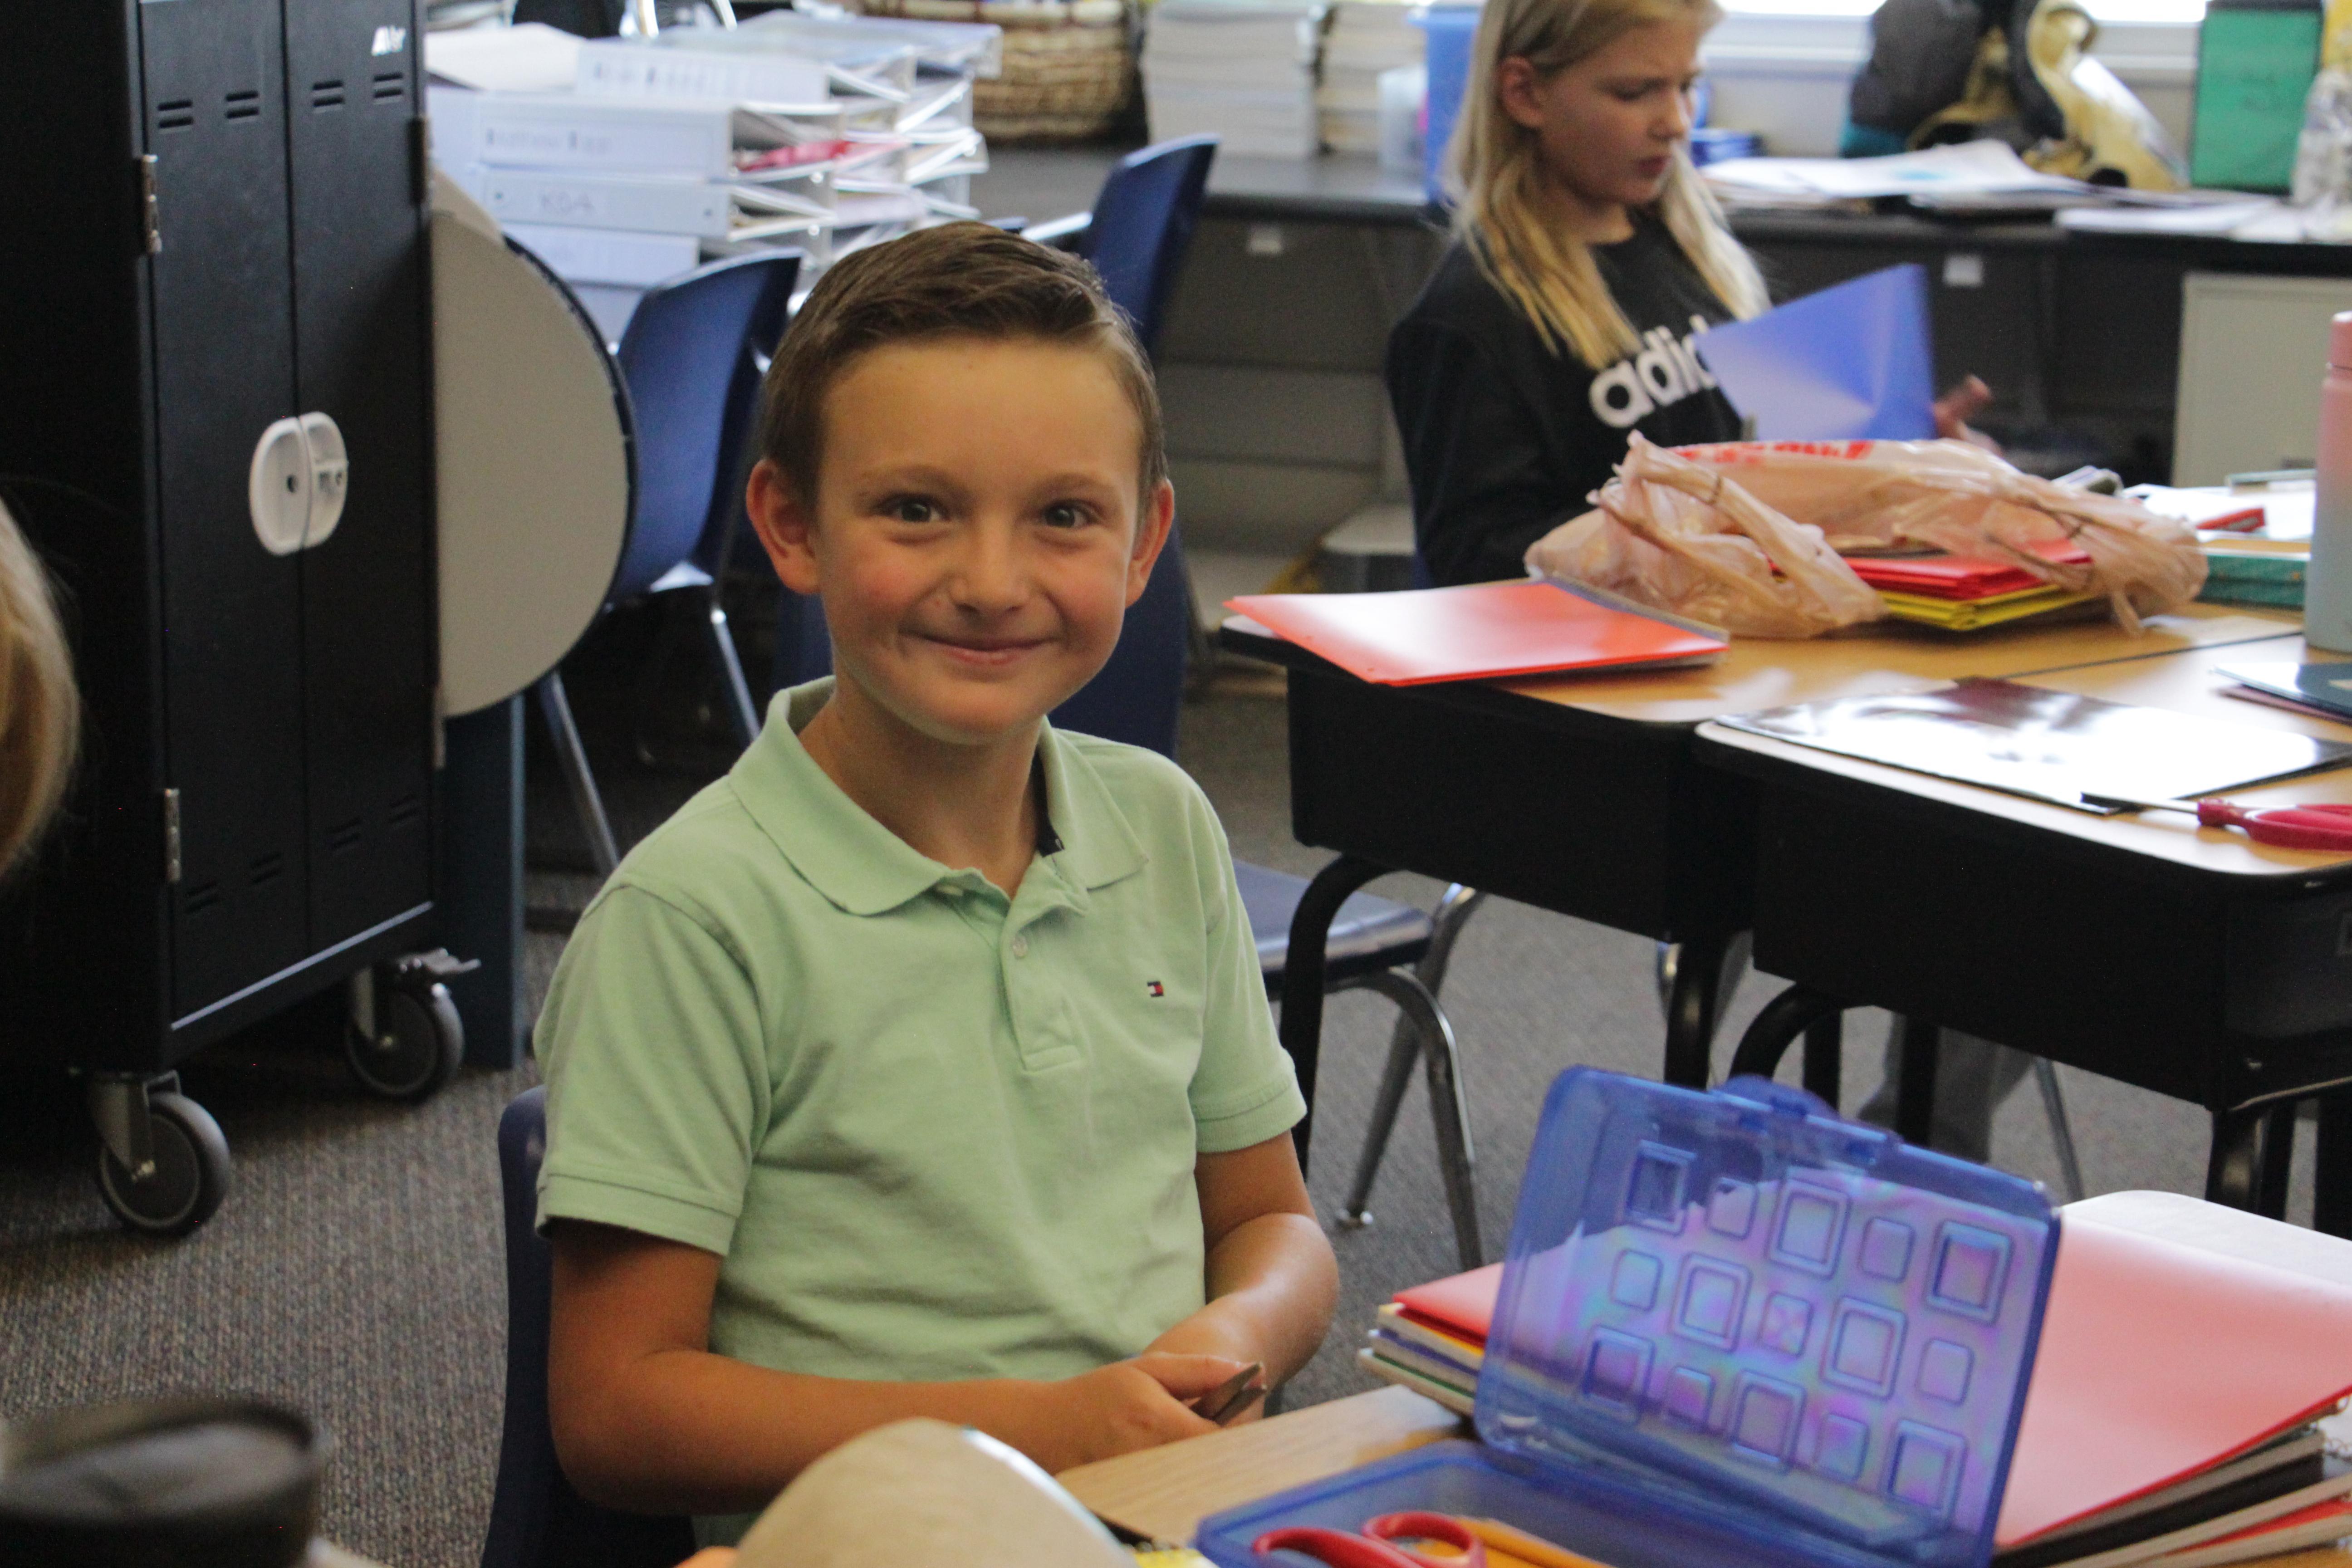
x=1245, y=1092
x=657, y=1075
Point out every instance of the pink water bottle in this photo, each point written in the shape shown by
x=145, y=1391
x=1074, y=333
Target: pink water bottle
x=2327, y=585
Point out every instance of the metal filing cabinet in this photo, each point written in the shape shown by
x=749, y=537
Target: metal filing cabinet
x=215, y=425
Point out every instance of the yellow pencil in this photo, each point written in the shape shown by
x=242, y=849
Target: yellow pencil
x=1532, y=1551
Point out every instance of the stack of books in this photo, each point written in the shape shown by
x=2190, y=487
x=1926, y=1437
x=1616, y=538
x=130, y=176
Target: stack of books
x=1958, y=594
x=2256, y=537
x=2182, y=1410
x=1365, y=38
x=1243, y=70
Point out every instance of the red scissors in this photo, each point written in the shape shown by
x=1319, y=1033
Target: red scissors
x=1373, y=1549
x=2284, y=827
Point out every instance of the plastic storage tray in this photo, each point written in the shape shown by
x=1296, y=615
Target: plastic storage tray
x=1732, y=1329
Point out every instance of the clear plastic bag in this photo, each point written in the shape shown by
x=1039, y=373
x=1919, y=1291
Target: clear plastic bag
x=1698, y=530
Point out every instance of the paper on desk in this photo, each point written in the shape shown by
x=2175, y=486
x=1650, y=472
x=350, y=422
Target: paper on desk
x=2177, y=1333
x=2056, y=746
x=2286, y=509
x=1852, y=363
x=1971, y=168
x=530, y=56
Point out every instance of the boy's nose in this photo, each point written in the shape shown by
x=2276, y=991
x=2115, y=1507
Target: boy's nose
x=988, y=576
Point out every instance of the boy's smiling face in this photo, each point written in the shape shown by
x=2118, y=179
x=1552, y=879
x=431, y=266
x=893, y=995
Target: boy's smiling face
x=977, y=534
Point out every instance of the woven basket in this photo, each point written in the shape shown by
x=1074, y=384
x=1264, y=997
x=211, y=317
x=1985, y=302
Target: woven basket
x=1069, y=68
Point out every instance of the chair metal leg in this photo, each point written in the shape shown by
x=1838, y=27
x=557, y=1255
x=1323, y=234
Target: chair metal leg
x=1302, y=975
x=1442, y=1059
x=1693, y=977
x=1795, y=1012
x=2241, y=1153
x=1452, y=912
x=741, y=715
x=1915, y=1105
x=2061, y=1130
x=1826, y=1058
x=1404, y=1049
x=556, y=709
x=2331, y=1198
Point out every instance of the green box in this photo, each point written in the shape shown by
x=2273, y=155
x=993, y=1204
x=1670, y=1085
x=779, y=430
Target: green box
x=2254, y=66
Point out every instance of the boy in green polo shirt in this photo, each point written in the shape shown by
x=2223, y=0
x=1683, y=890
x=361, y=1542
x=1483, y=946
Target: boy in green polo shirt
x=922, y=1066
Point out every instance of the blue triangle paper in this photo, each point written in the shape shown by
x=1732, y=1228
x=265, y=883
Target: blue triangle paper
x=1852, y=363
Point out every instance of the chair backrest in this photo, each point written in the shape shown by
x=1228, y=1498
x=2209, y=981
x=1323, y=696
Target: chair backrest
x=1142, y=225
x=737, y=435
x=536, y=1520
x=1137, y=695
x=685, y=343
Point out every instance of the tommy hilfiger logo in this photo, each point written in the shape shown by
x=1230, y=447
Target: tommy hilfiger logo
x=1153, y=988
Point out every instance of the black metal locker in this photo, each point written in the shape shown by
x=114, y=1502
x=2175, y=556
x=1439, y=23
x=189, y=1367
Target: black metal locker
x=216, y=286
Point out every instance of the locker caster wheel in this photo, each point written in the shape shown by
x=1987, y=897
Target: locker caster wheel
x=188, y=1178
x=408, y=1040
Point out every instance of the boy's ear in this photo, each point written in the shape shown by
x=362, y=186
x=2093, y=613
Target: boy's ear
x=785, y=526
x=1150, y=537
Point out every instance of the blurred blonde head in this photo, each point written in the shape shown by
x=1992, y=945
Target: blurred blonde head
x=1495, y=173
x=39, y=713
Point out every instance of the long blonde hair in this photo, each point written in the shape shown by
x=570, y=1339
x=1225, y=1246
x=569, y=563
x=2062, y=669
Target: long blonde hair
x=1494, y=174
x=40, y=716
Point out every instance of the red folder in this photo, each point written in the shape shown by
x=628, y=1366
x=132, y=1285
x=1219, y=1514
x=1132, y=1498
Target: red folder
x=1462, y=1305
x=1487, y=630
x=1960, y=577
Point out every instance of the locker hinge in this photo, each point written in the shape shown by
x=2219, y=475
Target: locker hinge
x=151, y=230
x=172, y=836
x=420, y=161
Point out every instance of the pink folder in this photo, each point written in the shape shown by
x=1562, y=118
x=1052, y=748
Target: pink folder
x=2178, y=1334
x=1487, y=630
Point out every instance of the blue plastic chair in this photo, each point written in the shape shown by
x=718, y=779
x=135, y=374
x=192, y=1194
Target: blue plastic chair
x=536, y=1520
x=691, y=359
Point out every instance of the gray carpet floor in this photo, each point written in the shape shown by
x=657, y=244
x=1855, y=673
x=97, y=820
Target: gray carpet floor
x=355, y=1271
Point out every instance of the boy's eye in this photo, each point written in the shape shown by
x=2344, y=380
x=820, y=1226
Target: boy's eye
x=1064, y=514
x=911, y=509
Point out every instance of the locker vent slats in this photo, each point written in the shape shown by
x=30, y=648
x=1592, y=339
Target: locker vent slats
x=267, y=869
x=345, y=835
x=201, y=897
x=404, y=811
x=175, y=114
x=391, y=87
x=243, y=105
x=327, y=94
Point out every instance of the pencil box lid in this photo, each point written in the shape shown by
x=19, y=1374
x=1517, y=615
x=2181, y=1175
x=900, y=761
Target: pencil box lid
x=1746, y=1320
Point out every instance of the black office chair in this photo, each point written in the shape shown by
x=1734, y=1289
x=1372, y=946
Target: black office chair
x=536, y=1520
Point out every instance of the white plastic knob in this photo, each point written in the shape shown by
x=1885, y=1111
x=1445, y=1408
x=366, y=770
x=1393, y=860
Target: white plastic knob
x=299, y=480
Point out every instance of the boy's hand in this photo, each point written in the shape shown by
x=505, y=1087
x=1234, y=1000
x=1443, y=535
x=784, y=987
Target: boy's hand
x=1140, y=1404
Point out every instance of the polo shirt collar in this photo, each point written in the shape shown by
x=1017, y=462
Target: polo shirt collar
x=867, y=869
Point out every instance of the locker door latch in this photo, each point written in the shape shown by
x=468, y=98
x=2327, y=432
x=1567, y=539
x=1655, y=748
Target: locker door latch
x=296, y=483
x=172, y=836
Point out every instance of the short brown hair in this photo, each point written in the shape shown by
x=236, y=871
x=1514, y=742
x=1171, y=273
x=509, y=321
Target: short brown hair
x=958, y=280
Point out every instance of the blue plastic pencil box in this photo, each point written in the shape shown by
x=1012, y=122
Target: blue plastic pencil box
x=1732, y=1331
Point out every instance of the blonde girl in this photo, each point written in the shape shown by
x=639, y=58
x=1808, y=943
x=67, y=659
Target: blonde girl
x=1587, y=256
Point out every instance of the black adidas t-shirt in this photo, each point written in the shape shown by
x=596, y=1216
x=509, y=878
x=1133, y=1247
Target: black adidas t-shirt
x=1505, y=439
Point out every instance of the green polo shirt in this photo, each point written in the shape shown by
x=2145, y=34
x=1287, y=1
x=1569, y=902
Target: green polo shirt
x=933, y=1132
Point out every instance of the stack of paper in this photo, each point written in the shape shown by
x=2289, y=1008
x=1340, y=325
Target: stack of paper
x=1365, y=38
x=2187, y=1353
x=1961, y=594
x=1972, y=171
x=621, y=163
x=1243, y=70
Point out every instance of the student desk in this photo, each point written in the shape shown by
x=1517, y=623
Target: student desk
x=1163, y=1494
x=1585, y=795
x=2188, y=961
